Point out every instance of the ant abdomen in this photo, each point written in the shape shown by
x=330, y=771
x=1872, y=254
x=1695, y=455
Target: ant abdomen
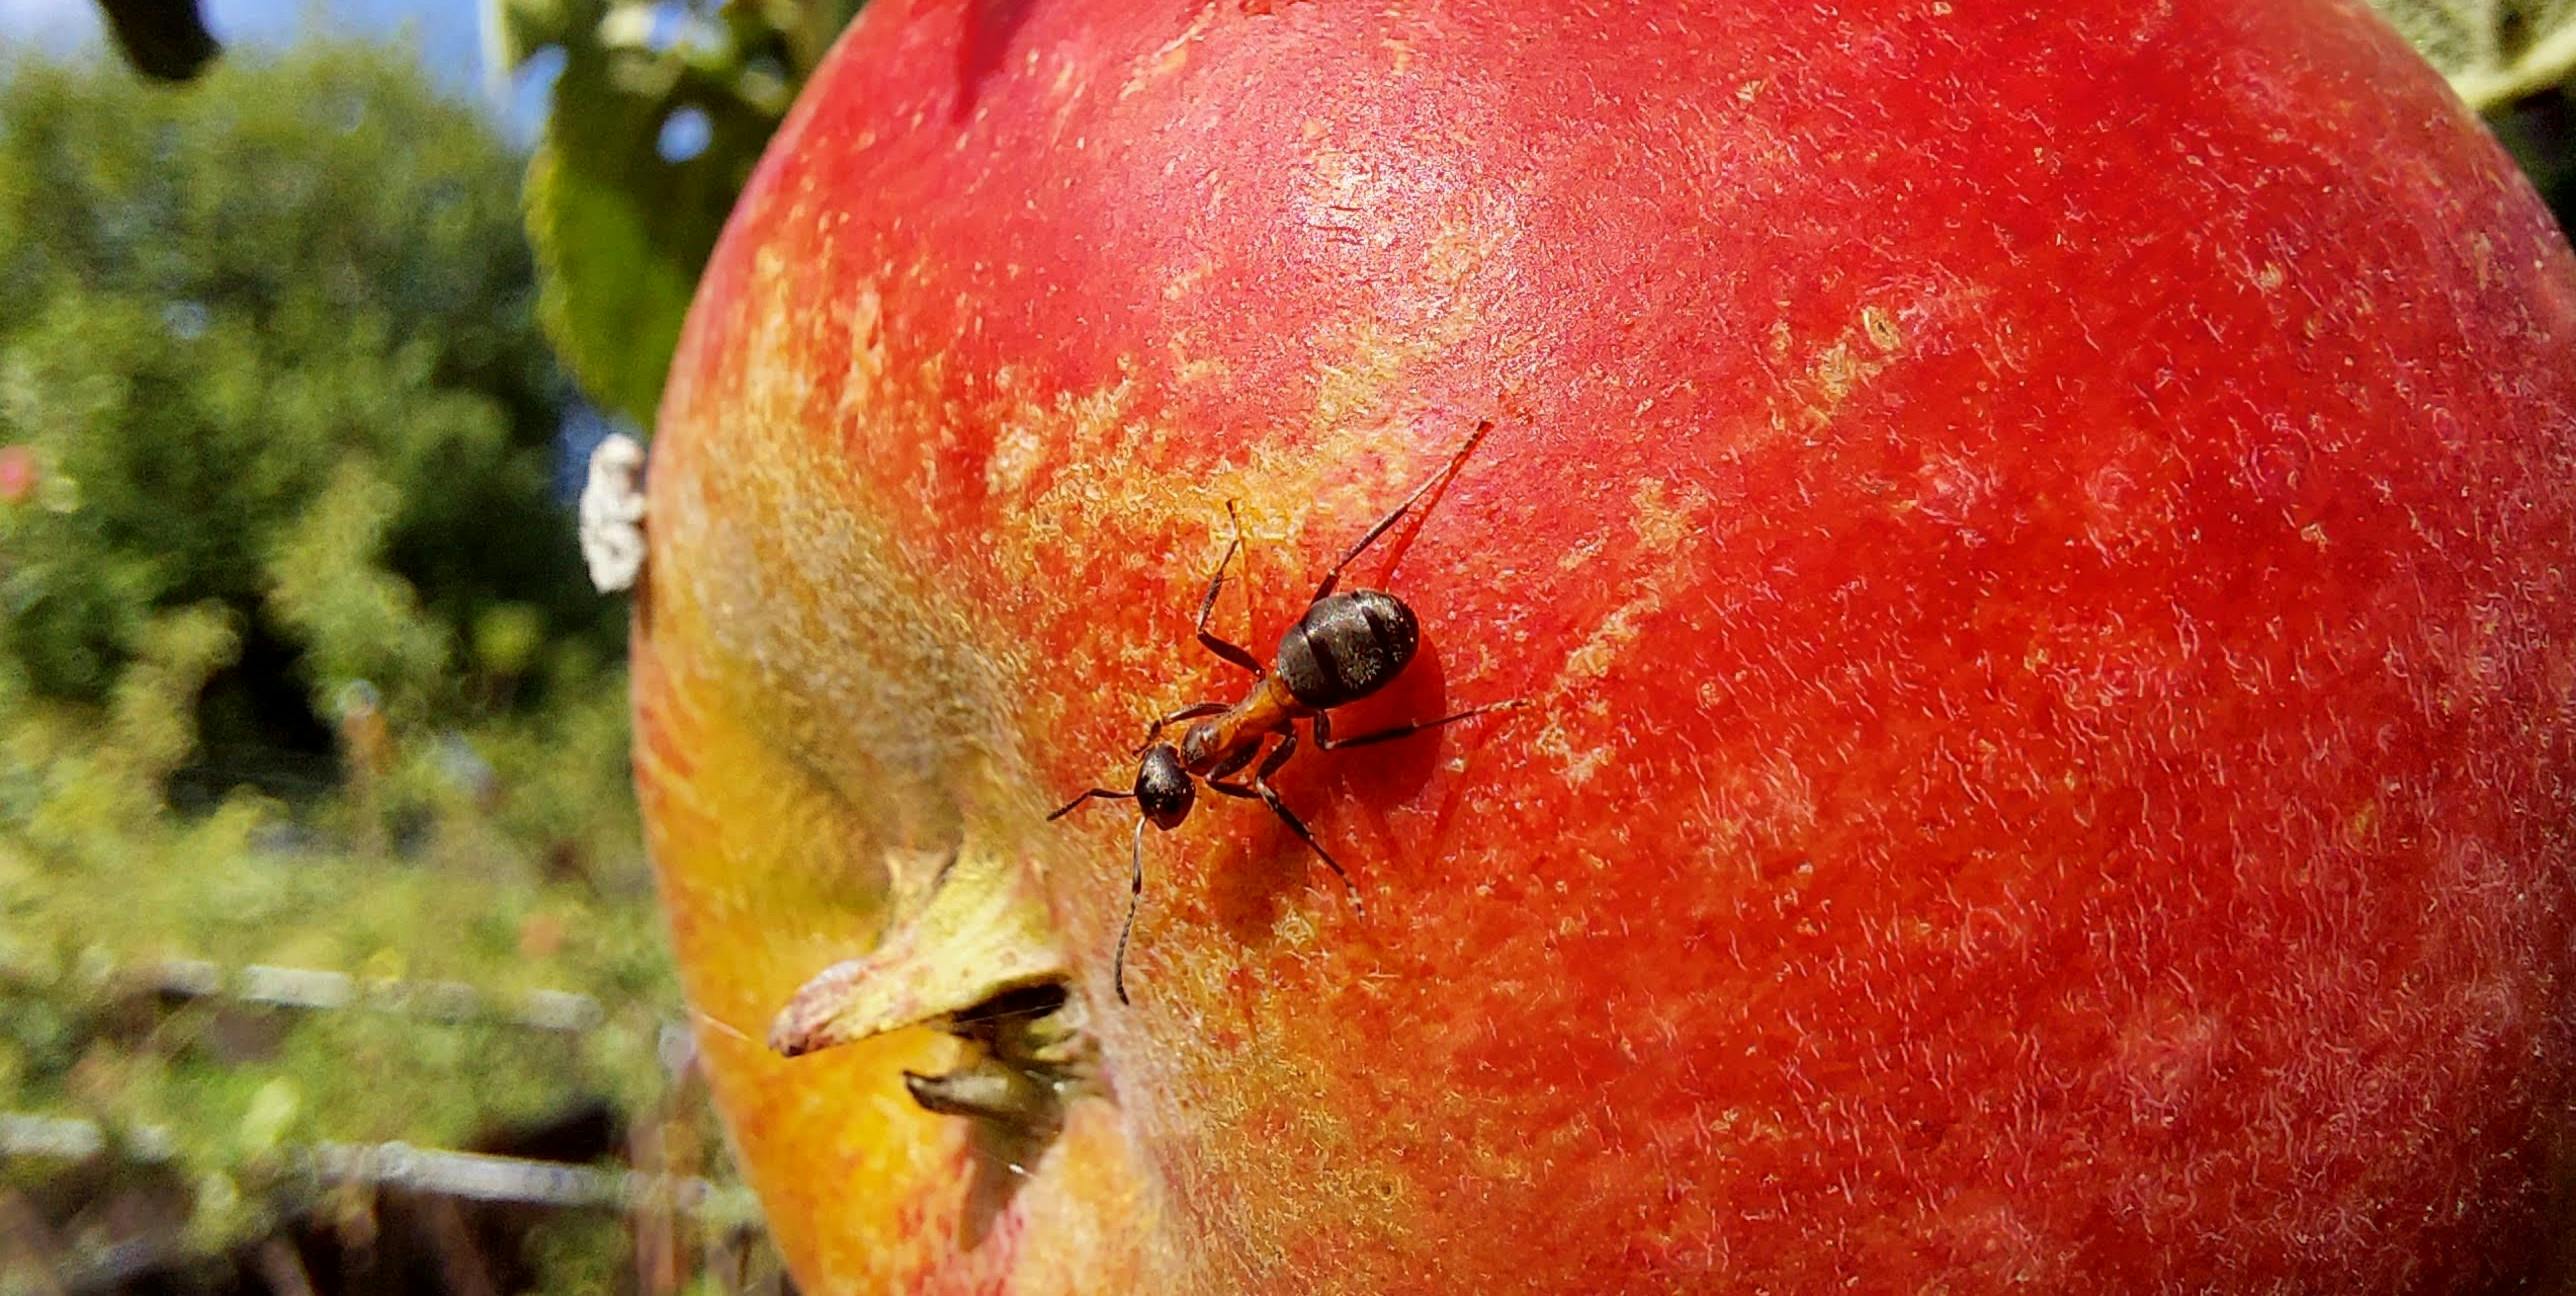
x=1347, y=646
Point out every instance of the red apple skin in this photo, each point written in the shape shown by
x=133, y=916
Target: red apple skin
x=2036, y=541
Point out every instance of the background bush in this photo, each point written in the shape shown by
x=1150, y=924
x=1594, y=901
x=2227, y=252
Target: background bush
x=299, y=668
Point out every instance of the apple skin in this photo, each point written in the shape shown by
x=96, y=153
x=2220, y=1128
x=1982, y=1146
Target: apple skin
x=2036, y=542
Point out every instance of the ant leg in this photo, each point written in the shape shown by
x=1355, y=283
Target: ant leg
x=1260, y=787
x=1325, y=741
x=1135, y=893
x=1105, y=794
x=1237, y=758
x=1234, y=760
x=1207, y=606
x=1191, y=712
x=1334, y=576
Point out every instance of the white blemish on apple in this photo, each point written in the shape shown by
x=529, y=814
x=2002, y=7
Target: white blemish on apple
x=1880, y=327
x=1171, y=57
x=1016, y=450
x=1583, y=551
x=612, y=514
x=1956, y=491
x=1660, y=526
x=1677, y=535
x=1592, y=659
x=1189, y=279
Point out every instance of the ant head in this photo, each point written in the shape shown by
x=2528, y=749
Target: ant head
x=1163, y=788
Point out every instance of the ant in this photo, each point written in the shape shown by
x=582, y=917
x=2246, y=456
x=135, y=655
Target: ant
x=1347, y=646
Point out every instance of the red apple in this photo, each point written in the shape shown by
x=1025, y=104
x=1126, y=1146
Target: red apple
x=2036, y=542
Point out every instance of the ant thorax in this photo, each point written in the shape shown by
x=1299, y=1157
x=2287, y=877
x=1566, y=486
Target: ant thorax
x=1202, y=744
x=1222, y=743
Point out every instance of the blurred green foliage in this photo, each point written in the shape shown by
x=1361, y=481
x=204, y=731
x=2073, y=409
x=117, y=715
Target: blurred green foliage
x=273, y=347
x=298, y=666
x=660, y=111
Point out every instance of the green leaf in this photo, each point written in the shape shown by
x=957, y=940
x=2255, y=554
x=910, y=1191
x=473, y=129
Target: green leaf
x=2493, y=51
x=621, y=231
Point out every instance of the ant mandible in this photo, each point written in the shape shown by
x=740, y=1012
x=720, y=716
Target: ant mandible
x=1347, y=646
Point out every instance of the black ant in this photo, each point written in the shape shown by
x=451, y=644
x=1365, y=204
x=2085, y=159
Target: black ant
x=1346, y=647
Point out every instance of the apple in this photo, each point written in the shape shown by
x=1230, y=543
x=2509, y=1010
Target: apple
x=2033, y=545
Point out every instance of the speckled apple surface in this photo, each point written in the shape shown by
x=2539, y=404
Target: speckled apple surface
x=2036, y=538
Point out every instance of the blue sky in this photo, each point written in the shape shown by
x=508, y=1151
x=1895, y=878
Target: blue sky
x=447, y=32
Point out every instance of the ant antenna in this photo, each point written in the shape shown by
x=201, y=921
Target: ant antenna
x=1441, y=479
x=1135, y=892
